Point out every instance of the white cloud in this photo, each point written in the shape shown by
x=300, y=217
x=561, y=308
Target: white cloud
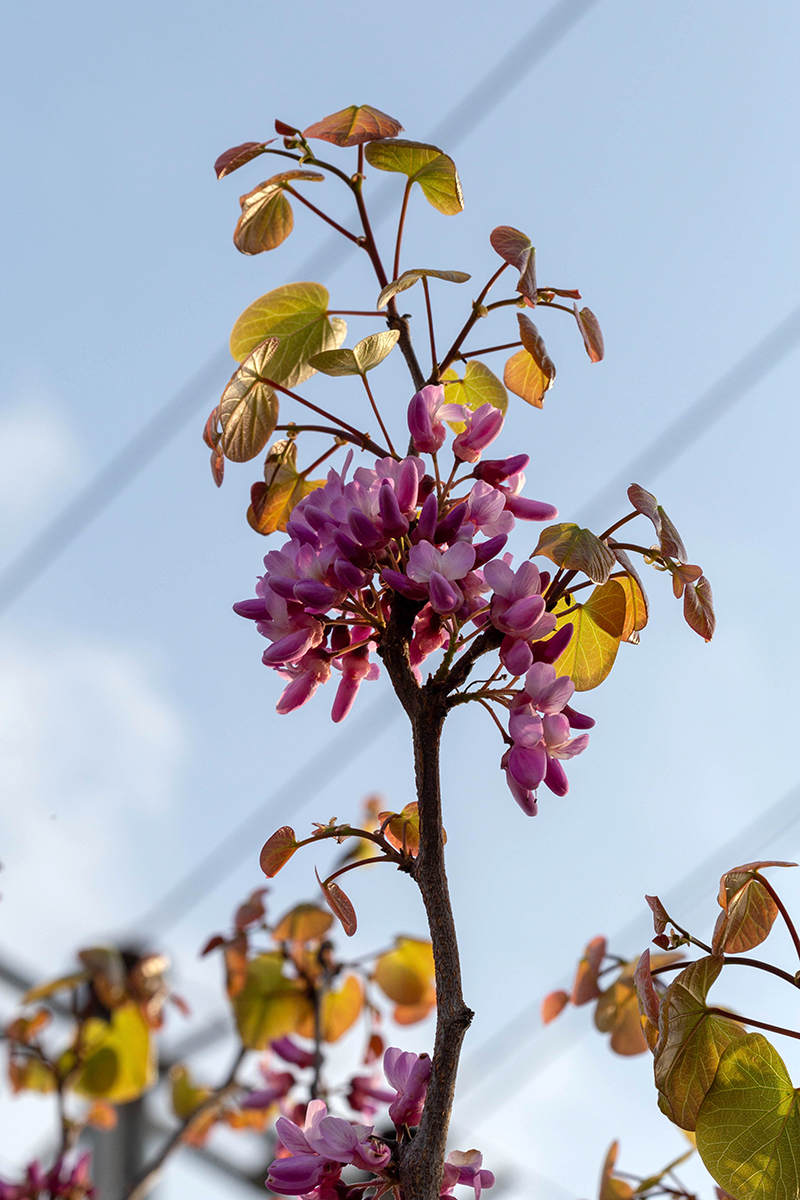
x=41, y=459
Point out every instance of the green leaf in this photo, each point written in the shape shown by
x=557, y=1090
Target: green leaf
x=353, y=126
x=748, y=910
x=267, y=218
x=120, y=1057
x=269, y=1005
x=597, y=632
x=748, y=1127
x=409, y=278
x=515, y=247
x=479, y=386
x=297, y=314
x=366, y=354
x=567, y=545
x=248, y=410
x=524, y=377
x=691, y=1042
x=426, y=165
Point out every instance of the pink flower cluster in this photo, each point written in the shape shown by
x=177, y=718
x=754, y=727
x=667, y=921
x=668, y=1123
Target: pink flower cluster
x=395, y=529
x=63, y=1181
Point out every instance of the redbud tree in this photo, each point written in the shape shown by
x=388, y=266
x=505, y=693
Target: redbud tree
x=394, y=561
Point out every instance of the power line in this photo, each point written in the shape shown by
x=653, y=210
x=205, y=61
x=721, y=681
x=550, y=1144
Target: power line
x=174, y=415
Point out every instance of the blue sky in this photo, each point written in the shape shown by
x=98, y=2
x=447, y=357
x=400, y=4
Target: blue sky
x=652, y=158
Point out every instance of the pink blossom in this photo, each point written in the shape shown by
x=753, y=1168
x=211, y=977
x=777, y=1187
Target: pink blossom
x=408, y=1074
x=323, y=1145
x=440, y=569
x=425, y=413
x=482, y=427
x=466, y=1166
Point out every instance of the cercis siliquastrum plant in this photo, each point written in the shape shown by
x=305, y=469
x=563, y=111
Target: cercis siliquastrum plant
x=398, y=557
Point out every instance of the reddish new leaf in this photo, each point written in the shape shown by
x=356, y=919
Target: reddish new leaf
x=353, y=126
x=217, y=466
x=567, y=545
x=252, y=910
x=698, y=609
x=285, y=130
x=339, y=905
x=533, y=342
x=213, y=943
x=668, y=537
x=552, y=1005
x=748, y=909
x=515, y=247
x=590, y=332
x=277, y=851
x=267, y=218
x=237, y=156
x=649, y=1000
x=660, y=915
x=585, y=987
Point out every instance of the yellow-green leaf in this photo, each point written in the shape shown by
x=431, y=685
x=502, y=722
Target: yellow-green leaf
x=524, y=377
x=597, y=631
x=748, y=1127
x=119, y=1057
x=354, y=125
x=409, y=278
x=273, y=501
x=366, y=354
x=691, y=1042
x=479, y=386
x=612, y=1188
x=340, y=1010
x=304, y=923
x=248, y=410
x=434, y=171
x=297, y=314
x=269, y=1005
x=636, y=608
x=567, y=545
x=406, y=973
x=266, y=218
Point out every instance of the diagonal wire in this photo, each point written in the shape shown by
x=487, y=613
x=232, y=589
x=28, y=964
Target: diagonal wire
x=475, y=107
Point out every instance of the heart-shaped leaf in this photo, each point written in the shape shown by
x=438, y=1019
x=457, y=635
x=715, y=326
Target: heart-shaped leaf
x=297, y=314
x=524, y=377
x=248, y=410
x=668, y=537
x=638, y=611
x=479, y=386
x=339, y=1011
x=118, y=1056
x=748, y=1127
x=269, y=1005
x=277, y=850
x=585, y=985
x=691, y=1042
x=567, y=545
x=366, y=354
x=237, y=156
x=267, y=218
x=748, y=909
x=406, y=974
x=590, y=332
x=597, y=632
x=272, y=502
x=698, y=609
x=434, y=171
x=533, y=342
x=409, y=278
x=304, y=923
x=515, y=247
x=353, y=126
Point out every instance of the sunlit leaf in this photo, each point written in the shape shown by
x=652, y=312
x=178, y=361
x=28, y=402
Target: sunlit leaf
x=339, y=905
x=698, y=609
x=272, y=502
x=590, y=332
x=340, y=1010
x=269, y=1005
x=297, y=314
x=434, y=171
x=248, y=409
x=668, y=537
x=119, y=1057
x=304, y=923
x=64, y=982
x=649, y=1000
x=277, y=850
x=748, y=910
x=524, y=377
x=478, y=386
x=237, y=156
x=366, y=354
x=612, y=1188
x=597, y=631
x=691, y=1041
x=577, y=549
x=617, y=1013
x=533, y=342
x=30, y=1074
x=186, y=1095
x=406, y=975
x=353, y=126
x=553, y=1004
x=409, y=278
x=585, y=986
x=660, y=915
x=638, y=608
x=515, y=247
x=267, y=218
x=748, y=1127
x=236, y=964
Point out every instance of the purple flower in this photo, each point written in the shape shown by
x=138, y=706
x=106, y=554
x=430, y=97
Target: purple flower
x=425, y=412
x=408, y=1073
x=440, y=569
x=324, y=1144
x=290, y=1052
x=482, y=427
x=279, y=1084
x=466, y=1166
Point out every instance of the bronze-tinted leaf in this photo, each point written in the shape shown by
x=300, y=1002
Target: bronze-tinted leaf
x=585, y=986
x=248, y=410
x=617, y=1013
x=252, y=910
x=237, y=156
x=296, y=314
x=277, y=851
x=597, y=632
x=567, y=545
x=532, y=342
x=660, y=915
x=303, y=923
x=285, y=130
x=339, y=905
x=590, y=332
x=217, y=466
x=612, y=1188
x=638, y=607
x=409, y=278
x=748, y=909
x=434, y=171
x=266, y=218
x=668, y=537
x=273, y=501
x=353, y=126
x=515, y=247
x=691, y=1042
x=524, y=377
x=649, y=1000
x=553, y=1004
x=698, y=609
x=402, y=829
